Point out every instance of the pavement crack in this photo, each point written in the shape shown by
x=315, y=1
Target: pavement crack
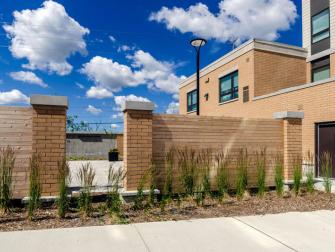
x=260, y=231
x=139, y=233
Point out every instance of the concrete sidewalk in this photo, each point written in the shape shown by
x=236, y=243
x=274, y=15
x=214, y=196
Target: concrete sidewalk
x=311, y=231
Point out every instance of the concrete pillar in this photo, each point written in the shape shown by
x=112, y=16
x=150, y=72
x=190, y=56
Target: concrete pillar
x=292, y=133
x=137, y=141
x=49, y=137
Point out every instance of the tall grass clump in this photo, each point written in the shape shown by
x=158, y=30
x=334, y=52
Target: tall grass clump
x=297, y=175
x=63, y=186
x=204, y=162
x=7, y=161
x=35, y=186
x=187, y=164
x=168, y=185
x=261, y=171
x=153, y=183
x=139, y=198
x=242, y=163
x=222, y=178
x=326, y=162
x=86, y=176
x=114, y=202
x=279, y=175
x=309, y=174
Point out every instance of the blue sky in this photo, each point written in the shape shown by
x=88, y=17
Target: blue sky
x=124, y=48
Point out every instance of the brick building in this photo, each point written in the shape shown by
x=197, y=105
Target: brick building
x=260, y=78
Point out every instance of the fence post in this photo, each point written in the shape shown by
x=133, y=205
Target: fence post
x=292, y=133
x=137, y=141
x=49, y=137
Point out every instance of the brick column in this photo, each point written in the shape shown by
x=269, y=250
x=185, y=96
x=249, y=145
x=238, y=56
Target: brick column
x=137, y=141
x=49, y=137
x=292, y=133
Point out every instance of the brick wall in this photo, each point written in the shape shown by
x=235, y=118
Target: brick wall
x=49, y=139
x=149, y=137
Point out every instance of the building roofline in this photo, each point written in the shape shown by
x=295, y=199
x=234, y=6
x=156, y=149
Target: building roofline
x=252, y=44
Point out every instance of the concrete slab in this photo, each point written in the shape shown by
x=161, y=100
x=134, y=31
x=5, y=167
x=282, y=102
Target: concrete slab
x=219, y=234
x=86, y=239
x=310, y=231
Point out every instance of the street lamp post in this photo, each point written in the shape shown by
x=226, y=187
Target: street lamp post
x=197, y=44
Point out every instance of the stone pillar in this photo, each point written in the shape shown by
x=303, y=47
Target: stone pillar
x=49, y=137
x=292, y=133
x=137, y=141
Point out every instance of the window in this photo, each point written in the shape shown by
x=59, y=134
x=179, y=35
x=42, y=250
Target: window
x=320, y=26
x=246, y=94
x=229, y=87
x=192, y=101
x=321, y=69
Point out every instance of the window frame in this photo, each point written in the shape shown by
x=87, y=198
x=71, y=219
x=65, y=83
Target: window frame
x=324, y=30
x=193, y=103
x=232, y=91
x=320, y=67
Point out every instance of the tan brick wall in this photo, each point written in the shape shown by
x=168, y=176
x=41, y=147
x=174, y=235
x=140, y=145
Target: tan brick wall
x=119, y=143
x=275, y=71
x=137, y=145
x=49, y=140
x=16, y=131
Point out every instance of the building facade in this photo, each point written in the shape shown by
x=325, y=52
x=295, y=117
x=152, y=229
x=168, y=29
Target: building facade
x=260, y=78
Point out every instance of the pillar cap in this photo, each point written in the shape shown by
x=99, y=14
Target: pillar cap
x=138, y=105
x=288, y=115
x=49, y=100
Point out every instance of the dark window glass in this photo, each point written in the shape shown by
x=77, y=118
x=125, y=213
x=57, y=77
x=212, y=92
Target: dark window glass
x=192, y=101
x=320, y=26
x=229, y=87
x=321, y=69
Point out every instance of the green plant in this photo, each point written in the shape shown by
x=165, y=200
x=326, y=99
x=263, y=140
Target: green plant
x=35, y=187
x=168, y=186
x=222, y=178
x=139, y=198
x=152, y=187
x=188, y=168
x=279, y=176
x=7, y=161
x=114, y=202
x=297, y=175
x=242, y=172
x=204, y=162
x=310, y=182
x=261, y=171
x=199, y=195
x=326, y=170
x=63, y=185
x=86, y=176
x=114, y=150
x=309, y=164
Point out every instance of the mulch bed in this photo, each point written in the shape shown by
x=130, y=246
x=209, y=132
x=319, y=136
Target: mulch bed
x=46, y=218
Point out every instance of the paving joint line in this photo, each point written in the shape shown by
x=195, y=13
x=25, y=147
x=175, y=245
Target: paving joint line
x=262, y=232
x=139, y=233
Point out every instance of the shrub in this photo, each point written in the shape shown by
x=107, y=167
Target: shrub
x=152, y=171
x=114, y=201
x=35, y=187
x=139, y=198
x=86, y=176
x=168, y=185
x=279, y=176
x=242, y=172
x=310, y=182
x=261, y=171
x=7, y=161
x=326, y=161
x=204, y=162
x=297, y=175
x=188, y=168
x=63, y=185
x=222, y=180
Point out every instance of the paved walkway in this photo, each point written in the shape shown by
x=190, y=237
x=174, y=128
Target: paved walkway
x=312, y=231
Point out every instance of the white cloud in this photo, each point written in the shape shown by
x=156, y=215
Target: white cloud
x=236, y=21
x=28, y=77
x=114, y=126
x=14, y=96
x=124, y=48
x=98, y=93
x=144, y=69
x=118, y=115
x=120, y=100
x=173, y=108
x=112, y=38
x=175, y=96
x=93, y=110
x=79, y=85
x=46, y=37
